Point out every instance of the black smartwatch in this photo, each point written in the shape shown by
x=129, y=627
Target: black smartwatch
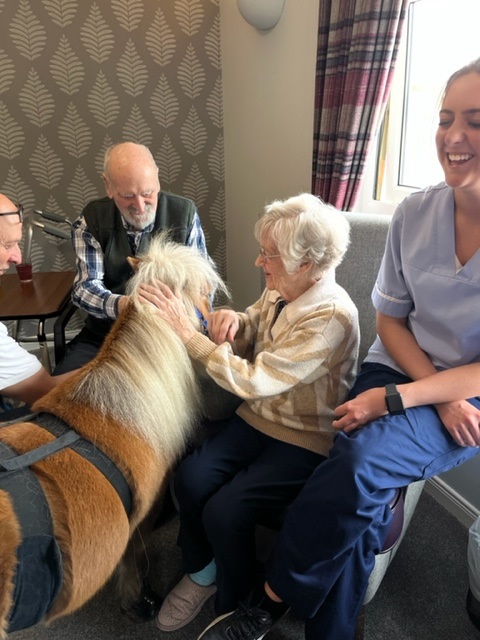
x=393, y=400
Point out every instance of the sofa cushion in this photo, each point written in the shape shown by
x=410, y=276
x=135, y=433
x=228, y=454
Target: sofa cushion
x=358, y=271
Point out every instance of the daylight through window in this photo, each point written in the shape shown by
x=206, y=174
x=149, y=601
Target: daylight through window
x=440, y=37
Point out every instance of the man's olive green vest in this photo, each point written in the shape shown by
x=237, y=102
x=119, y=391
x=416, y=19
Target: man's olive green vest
x=104, y=222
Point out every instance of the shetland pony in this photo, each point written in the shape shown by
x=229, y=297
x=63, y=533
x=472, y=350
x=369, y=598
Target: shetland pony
x=137, y=403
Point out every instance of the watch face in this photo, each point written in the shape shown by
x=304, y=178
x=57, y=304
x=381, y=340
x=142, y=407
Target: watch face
x=393, y=400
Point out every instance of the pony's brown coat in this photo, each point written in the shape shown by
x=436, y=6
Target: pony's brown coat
x=90, y=523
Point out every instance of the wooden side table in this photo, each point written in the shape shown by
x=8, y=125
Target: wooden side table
x=45, y=297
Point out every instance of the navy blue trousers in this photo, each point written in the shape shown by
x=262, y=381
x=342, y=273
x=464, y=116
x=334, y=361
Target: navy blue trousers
x=326, y=549
x=83, y=348
x=237, y=478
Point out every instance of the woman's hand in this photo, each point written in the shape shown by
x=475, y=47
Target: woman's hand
x=462, y=421
x=222, y=326
x=367, y=406
x=170, y=307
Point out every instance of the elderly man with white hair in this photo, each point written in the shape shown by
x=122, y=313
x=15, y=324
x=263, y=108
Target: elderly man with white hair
x=115, y=227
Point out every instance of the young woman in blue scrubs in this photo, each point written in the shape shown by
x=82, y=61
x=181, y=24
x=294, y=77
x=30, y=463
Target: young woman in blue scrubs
x=427, y=298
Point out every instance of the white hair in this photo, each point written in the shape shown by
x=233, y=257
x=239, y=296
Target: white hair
x=305, y=229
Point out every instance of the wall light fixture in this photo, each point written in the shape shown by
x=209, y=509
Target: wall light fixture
x=261, y=14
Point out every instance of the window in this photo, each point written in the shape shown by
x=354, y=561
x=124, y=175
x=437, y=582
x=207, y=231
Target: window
x=440, y=36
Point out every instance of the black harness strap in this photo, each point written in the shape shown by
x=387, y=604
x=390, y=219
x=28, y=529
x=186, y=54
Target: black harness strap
x=67, y=437
x=29, y=501
x=38, y=577
x=16, y=462
x=38, y=572
x=90, y=452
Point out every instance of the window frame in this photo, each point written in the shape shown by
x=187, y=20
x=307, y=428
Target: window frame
x=374, y=196
x=383, y=193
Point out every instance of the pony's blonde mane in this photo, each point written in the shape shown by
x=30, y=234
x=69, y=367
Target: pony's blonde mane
x=143, y=376
x=182, y=268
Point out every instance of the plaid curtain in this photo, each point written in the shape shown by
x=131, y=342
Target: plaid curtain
x=357, y=49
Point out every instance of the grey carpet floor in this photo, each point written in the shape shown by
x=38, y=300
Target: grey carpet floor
x=421, y=598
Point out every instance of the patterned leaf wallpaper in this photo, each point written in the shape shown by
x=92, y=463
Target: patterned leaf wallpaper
x=77, y=76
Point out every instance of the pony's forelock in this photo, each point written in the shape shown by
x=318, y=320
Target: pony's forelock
x=183, y=269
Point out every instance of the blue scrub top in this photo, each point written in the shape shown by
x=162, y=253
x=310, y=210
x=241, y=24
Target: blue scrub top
x=418, y=279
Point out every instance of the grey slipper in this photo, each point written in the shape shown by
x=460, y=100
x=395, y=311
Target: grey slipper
x=182, y=604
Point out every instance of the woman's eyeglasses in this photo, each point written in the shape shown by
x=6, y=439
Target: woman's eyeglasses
x=264, y=257
x=18, y=213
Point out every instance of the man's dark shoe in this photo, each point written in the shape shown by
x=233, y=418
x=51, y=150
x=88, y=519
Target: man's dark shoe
x=245, y=623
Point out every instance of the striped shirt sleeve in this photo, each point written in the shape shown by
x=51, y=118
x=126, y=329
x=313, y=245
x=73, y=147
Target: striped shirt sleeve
x=89, y=291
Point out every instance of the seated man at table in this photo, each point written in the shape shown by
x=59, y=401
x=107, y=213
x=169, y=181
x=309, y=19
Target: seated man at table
x=115, y=227
x=22, y=376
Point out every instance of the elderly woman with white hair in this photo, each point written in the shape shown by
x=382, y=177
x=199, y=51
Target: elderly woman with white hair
x=291, y=358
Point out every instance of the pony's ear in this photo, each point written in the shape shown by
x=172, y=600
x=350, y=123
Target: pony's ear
x=133, y=262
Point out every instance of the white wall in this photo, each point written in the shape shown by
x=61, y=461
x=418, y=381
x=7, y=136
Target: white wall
x=268, y=85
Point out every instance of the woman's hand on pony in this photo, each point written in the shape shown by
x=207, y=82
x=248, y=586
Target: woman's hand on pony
x=222, y=326
x=170, y=307
x=364, y=408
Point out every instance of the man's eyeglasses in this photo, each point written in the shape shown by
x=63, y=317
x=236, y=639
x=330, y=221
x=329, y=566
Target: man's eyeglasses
x=264, y=257
x=18, y=213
